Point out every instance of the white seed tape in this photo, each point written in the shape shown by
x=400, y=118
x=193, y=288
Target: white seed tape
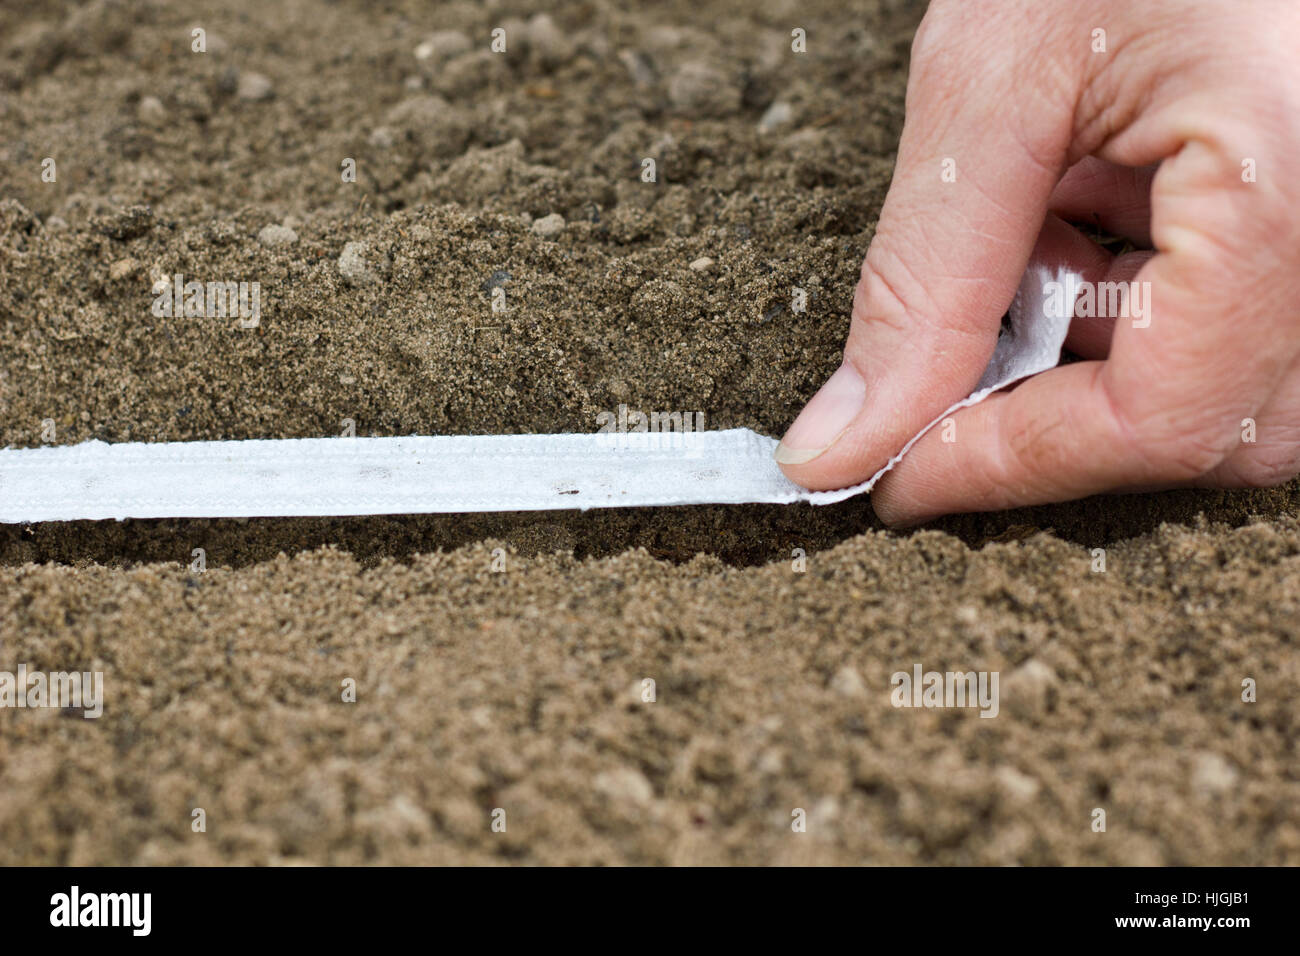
x=456, y=473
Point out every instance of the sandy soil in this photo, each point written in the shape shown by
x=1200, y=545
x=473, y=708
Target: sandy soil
x=523, y=690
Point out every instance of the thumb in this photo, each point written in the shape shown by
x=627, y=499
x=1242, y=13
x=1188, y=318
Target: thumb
x=983, y=146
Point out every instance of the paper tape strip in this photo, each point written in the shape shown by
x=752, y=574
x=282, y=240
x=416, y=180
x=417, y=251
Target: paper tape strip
x=461, y=473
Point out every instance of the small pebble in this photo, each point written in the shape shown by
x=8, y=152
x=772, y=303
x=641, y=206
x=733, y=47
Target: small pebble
x=702, y=264
x=638, y=67
x=1028, y=689
x=277, y=236
x=777, y=115
x=625, y=784
x=823, y=814
x=254, y=87
x=548, y=227
x=847, y=682
x=442, y=45
x=122, y=268
x=548, y=42
x=661, y=39
x=1212, y=774
x=352, y=264
x=150, y=110
x=1017, y=787
x=770, y=762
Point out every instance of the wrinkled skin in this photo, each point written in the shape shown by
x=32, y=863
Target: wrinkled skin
x=1154, y=140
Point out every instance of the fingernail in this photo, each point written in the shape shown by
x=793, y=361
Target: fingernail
x=825, y=418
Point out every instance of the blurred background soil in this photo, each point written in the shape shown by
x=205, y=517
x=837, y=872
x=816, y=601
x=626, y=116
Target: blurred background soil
x=520, y=173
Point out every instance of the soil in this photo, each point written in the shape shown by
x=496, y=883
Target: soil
x=770, y=634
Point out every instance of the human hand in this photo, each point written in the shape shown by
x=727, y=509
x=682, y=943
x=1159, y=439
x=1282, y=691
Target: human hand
x=1017, y=121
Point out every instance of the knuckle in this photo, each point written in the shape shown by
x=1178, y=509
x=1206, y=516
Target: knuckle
x=1270, y=472
x=931, y=36
x=1170, y=447
x=1265, y=467
x=1183, y=456
x=945, y=29
x=881, y=299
